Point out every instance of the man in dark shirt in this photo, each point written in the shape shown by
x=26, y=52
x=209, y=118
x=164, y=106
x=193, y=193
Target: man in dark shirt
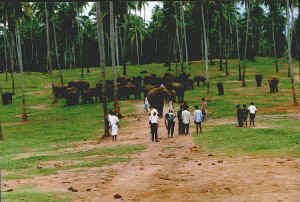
x=245, y=112
x=170, y=123
x=180, y=123
x=239, y=115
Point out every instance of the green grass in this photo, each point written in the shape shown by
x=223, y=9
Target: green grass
x=27, y=167
x=280, y=138
x=34, y=196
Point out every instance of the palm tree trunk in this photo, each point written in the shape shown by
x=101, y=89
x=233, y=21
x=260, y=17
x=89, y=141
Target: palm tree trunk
x=1, y=135
x=137, y=47
x=49, y=62
x=273, y=35
x=12, y=61
x=226, y=49
x=238, y=48
x=136, y=41
x=1, y=132
x=179, y=45
x=19, y=50
x=101, y=44
x=123, y=49
x=57, y=56
x=185, y=39
x=290, y=55
x=113, y=58
x=220, y=37
x=117, y=45
x=205, y=49
x=5, y=55
x=246, y=44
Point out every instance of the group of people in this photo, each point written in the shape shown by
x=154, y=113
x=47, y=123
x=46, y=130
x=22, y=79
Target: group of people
x=242, y=115
x=183, y=117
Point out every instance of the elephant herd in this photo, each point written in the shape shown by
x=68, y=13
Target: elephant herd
x=78, y=91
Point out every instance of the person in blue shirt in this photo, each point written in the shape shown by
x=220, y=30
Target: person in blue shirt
x=198, y=119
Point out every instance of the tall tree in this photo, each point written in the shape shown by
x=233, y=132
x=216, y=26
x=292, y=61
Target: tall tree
x=57, y=55
x=19, y=51
x=113, y=57
x=101, y=45
x=290, y=53
x=247, y=3
x=205, y=48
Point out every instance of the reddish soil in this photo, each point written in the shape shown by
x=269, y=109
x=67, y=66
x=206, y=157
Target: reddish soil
x=174, y=170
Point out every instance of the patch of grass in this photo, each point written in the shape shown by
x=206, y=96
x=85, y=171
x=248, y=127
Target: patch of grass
x=169, y=148
x=27, y=167
x=281, y=139
x=34, y=196
x=95, y=163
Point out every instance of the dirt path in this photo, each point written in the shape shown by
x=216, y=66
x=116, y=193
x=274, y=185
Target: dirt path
x=176, y=170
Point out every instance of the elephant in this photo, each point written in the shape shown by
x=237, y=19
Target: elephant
x=147, y=88
x=273, y=84
x=199, y=79
x=89, y=95
x=126, y=90
x=148, y=79
x=79, y=84
x=59, y=91
x=156, y=97
x=123, y=80
x=188, y=84
x=168, y=78
x=6, y=98
x=72, y=96
x=179, y=89
x=184, y=76
x=152, y=79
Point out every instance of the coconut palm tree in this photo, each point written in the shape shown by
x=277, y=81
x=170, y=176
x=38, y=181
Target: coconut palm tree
x=274, y=7
x=49, y=60
x=113, y=58
x=290, y=53
x=101, y=44
x=20, y=60
x=205, y=47
x=247, y=4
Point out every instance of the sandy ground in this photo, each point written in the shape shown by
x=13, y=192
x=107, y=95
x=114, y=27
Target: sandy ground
x=174, y=169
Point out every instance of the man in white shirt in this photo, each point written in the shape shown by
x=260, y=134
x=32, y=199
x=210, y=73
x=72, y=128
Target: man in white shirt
x=153, y=121
x=152, y=110
x=252, y=111
x=114, y=122
x=186, y=120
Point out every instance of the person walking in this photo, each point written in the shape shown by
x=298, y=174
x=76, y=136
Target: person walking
x=186, y=120
x=170, y=104
x=170, y=123
x=153, y=122
x=239, y=115
x=252, y=112
x=180, y=123
x=198, y=119
x=245, y=113
x=204, y=109
x=114, y=122
x=146, y=104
